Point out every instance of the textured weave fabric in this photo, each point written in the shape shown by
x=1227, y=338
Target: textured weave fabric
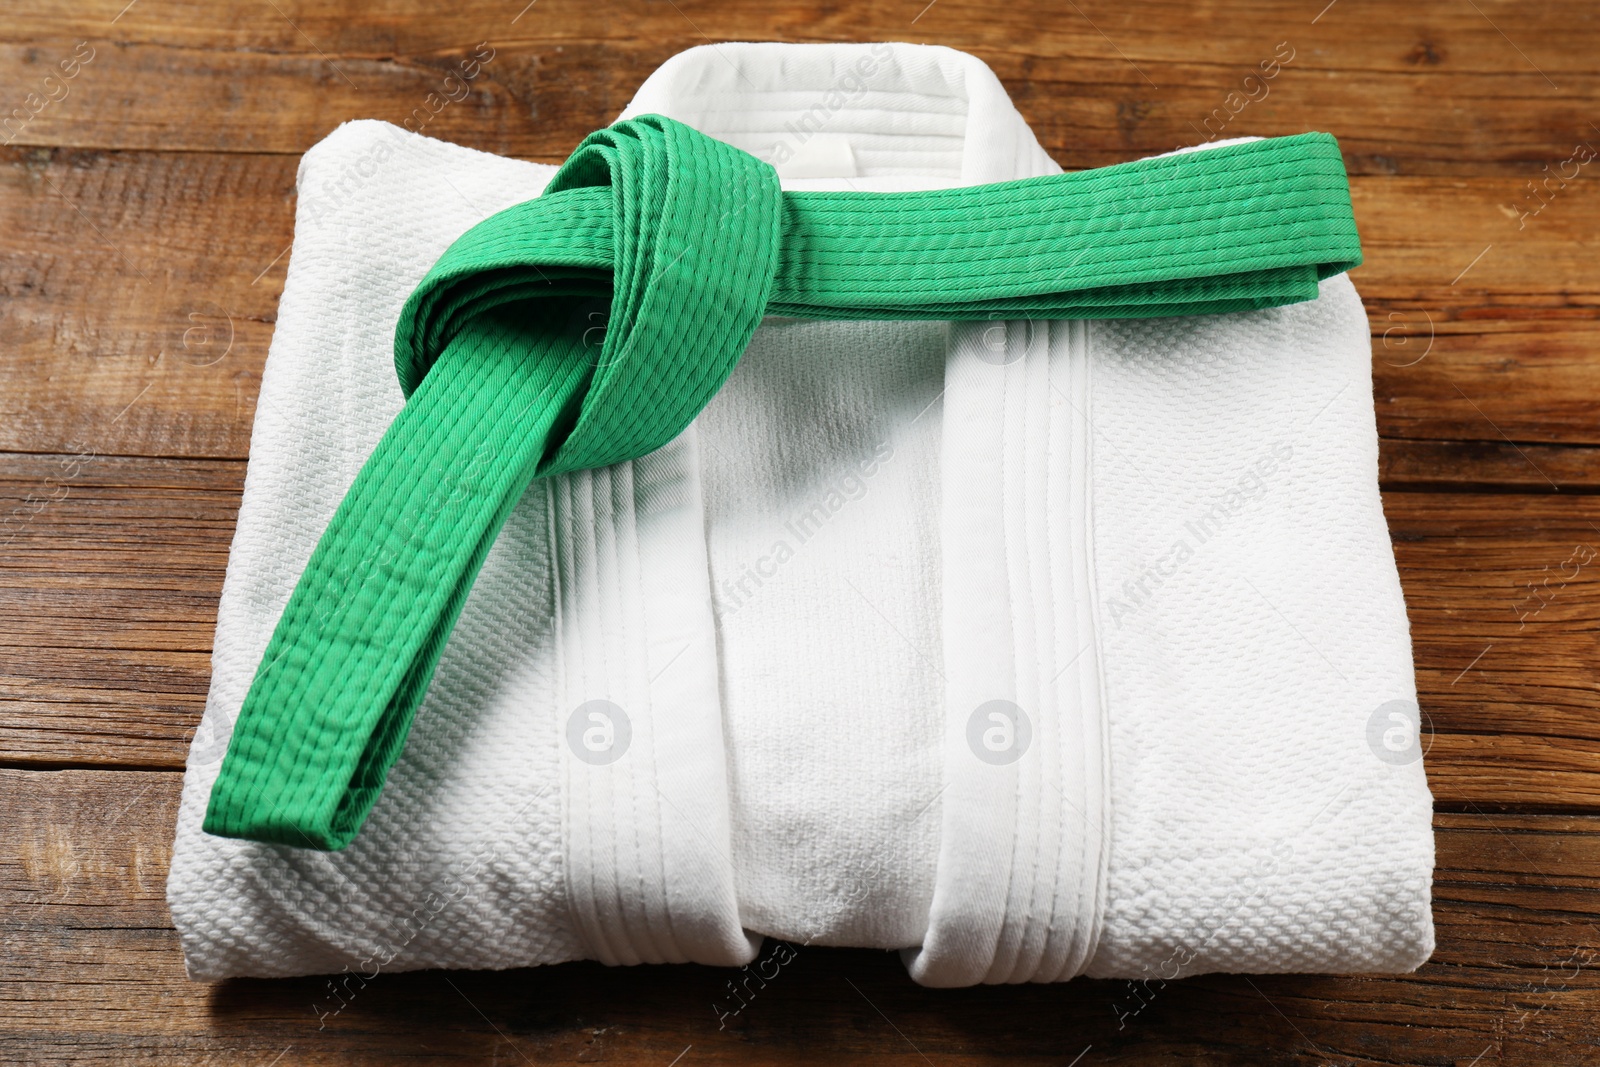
x=682, y=233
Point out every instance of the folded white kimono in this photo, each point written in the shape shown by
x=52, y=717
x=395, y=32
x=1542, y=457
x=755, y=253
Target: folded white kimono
x=1029, y=649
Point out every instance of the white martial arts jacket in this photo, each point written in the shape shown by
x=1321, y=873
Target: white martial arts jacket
x=1030, y=649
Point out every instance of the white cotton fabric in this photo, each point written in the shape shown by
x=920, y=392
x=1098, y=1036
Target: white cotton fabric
x=1149, y=556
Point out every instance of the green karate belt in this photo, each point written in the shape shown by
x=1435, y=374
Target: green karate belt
x=509, y=375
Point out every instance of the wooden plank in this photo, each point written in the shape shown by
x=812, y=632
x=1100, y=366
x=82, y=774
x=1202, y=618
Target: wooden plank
x=138, y=96
x=1503, y=599
x=1520, y=378
x=1460, y=250
x=108, y=593
x=140, y=296
x=110, y=570
x=1159, y=30
x=142, y=288
x=93, y=975
x=1421, y=91
x=1487, y=466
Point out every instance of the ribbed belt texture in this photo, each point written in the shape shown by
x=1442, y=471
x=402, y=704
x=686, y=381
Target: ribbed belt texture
x=590, y=325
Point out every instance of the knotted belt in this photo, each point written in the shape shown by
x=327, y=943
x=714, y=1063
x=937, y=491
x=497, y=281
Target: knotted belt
x=591, y=324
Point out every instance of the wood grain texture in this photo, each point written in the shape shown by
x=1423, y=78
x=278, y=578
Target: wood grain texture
x=1404, y=86
x=110, y=569
x=95, y=977
x=145, y=221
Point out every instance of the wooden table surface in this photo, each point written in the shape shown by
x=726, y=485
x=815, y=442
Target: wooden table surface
x=146, y=205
